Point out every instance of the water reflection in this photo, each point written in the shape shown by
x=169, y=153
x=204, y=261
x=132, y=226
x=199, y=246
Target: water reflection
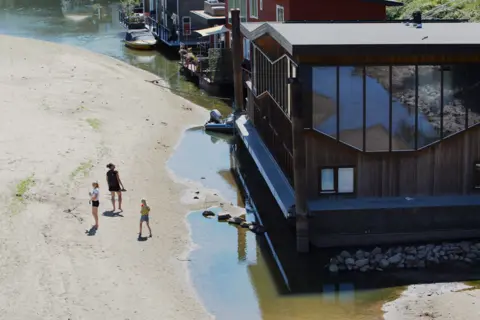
x=244, y=284
x=94, y=25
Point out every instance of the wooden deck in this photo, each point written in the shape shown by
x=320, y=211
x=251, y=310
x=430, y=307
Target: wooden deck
x=268, y=167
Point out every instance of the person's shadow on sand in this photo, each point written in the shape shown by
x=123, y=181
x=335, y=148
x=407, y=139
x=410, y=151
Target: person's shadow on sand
x=112, y=214
x=91, y=232
x=140, y=238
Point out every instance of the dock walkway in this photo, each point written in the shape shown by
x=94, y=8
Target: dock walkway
x=278, y=184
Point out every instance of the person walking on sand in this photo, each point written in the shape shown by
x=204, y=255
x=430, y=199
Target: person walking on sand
x=115, y=185
x=144, y=217
x=95, y=202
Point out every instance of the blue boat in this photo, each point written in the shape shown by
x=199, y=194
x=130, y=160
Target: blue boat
x=218, y=124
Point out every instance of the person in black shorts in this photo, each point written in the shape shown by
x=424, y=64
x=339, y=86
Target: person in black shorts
x=115, y=185
x=94, y=200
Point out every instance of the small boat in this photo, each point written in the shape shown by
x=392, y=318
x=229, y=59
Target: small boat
x=140, y=39
x=218, y=124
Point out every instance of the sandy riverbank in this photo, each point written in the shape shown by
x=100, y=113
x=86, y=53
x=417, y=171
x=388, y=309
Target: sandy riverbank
x=66, y=113
x=442, y=301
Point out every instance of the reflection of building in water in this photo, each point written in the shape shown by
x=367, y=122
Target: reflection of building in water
x=336, y=301
x=388, y=129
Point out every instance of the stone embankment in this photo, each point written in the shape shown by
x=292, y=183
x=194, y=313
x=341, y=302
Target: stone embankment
x=399, y=257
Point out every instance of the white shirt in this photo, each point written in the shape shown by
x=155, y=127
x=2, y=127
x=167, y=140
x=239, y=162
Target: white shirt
x=94, y=194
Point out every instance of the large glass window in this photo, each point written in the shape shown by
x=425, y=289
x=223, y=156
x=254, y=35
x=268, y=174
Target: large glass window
x=461, y=98
x=403, y=108
x=351, y=106
x=377, y=101
x=353, y=103
x=429, y=105
x=324, y=85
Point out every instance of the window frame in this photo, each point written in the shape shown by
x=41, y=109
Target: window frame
x=476, y=180
x=246, y=49
x=283, y=12
x=189, y=19
x=251, y=4
x=335, y=191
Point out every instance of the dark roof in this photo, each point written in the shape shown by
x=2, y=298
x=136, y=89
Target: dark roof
x=388, y=3
x=301, y=38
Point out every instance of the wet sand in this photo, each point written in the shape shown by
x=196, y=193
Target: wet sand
x=66, y=113
x=442, y=301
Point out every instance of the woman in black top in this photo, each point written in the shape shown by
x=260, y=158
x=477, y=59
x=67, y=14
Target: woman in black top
x=115, y=185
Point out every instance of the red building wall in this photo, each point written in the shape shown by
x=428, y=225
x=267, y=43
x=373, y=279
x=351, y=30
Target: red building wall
x=335, y=10
x=318, y=10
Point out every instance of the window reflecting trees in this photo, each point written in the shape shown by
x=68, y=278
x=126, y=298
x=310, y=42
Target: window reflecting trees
x=351, y=106
x=324, y=83
x=397, y=108
x=377, y=100
x=429, y=105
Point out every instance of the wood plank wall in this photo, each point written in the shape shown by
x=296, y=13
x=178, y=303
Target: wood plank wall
x=443, y=168
x=275, y=128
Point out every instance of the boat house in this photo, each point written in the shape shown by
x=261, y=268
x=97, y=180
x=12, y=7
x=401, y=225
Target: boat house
x=367, y=133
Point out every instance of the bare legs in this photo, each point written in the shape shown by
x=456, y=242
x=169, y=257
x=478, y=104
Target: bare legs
x=119, y=197
x=149, y=229
x=112, y=193
x=95, y=216
x=148, y=226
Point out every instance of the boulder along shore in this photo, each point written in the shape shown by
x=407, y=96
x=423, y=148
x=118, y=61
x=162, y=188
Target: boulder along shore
x=65, y=114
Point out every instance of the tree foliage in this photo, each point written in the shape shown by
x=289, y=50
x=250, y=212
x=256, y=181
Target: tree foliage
x=438, y=9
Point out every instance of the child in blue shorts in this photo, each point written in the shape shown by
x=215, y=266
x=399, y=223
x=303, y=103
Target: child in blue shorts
x=144, y=217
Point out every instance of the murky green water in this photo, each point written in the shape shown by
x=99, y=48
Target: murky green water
x=234, y=271
x=84, y=24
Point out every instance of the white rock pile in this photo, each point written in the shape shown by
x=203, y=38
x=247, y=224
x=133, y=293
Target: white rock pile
x=399, y=257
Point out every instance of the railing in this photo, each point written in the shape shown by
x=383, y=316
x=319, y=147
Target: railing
x=212, y=64
x=271, y=77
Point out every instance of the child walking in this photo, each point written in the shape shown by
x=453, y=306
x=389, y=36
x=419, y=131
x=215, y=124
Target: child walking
x=94, y=200
x=144, y=217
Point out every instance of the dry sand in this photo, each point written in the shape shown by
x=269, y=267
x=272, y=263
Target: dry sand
x=66, y=113
x=442, y=301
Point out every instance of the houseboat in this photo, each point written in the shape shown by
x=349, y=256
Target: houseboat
x=367, y=133
x=170, y=21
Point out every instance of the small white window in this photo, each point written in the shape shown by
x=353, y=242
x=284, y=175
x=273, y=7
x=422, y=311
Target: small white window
x=280, y=14
x=327, y=181
x=337, y=180
x=345, y=180
x=253, y=9
x=261, y=4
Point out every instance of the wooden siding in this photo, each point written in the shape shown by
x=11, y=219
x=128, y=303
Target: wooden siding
x=275, y=128
x=443, y=168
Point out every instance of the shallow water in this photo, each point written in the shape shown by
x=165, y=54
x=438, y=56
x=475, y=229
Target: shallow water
x=234, y=271
x=83, y=26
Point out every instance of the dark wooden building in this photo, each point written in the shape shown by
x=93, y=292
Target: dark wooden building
x=385, y=116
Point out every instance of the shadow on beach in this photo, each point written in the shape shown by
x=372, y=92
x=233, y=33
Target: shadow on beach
x=91, y=232
x=112, y=214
